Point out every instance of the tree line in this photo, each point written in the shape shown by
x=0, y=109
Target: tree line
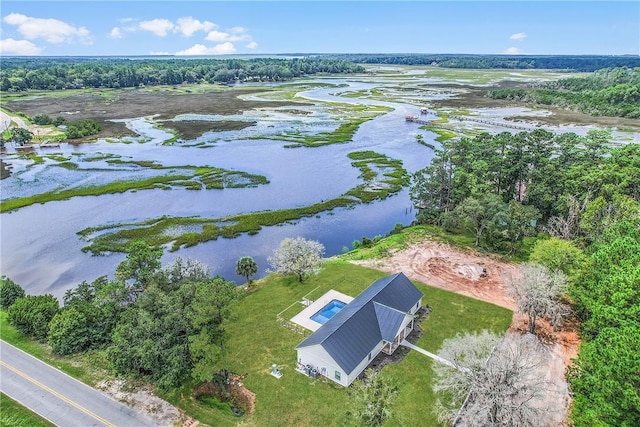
x=164, y=324
x=72, y=129
x=607, y=92
x=580, y=198
x=585, y=63
x=19, y=74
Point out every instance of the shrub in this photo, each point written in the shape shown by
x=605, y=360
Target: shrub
x=9, y=292
x=32, y=314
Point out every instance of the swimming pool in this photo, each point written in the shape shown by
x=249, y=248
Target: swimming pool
x=328, y=311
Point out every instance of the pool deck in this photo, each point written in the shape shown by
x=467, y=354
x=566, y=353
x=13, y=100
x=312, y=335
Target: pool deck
x=304, y=317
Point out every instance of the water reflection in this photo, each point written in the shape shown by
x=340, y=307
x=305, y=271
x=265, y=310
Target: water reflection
x=41, y=251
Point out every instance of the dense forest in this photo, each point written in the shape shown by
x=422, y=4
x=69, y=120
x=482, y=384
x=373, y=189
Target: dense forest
x=580, y=198
x=606, y=92
x=551, y=62
x=50, y=73
x=18, y=74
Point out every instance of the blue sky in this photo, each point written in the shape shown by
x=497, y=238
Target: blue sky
x=57, y=28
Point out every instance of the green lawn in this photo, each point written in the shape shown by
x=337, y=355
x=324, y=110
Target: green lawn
x=12, y=414
x=256, y=341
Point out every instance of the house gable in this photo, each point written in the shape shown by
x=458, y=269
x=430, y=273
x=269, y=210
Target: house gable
x=374, y=316
x=389, y=321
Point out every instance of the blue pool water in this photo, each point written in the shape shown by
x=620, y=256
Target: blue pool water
x=328, y=311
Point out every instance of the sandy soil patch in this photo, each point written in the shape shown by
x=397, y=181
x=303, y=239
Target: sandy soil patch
x=486, y=278
x=464, y=272
x=143, y=399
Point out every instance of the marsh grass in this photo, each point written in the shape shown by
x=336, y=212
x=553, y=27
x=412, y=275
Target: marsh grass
x=382, y=177
x=190, y=177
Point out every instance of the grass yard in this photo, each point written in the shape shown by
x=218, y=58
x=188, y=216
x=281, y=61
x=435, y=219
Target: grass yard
x=12, y=414
x=257, y=340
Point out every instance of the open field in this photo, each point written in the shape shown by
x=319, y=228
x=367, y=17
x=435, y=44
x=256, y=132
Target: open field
x=257, y=340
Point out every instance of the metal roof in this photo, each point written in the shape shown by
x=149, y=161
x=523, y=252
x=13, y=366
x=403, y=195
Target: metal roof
x=374, y=315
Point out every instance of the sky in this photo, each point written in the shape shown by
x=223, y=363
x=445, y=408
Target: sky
x=97, y=28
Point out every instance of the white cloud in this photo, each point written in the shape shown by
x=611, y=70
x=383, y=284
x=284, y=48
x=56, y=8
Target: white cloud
x=115, y=33
x=518, y=36
x=159, y=53
x=200, y=49
x=187, y=26
x=221, y=36
x=19, y=47
x=217, y=36
x=512, y=51
x=51, y=30
x=159, y=27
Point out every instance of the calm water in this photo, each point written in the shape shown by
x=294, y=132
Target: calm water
x=41, y=251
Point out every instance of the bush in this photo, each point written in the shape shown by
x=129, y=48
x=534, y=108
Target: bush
x=32, y=314
x=68, y=332
x=9, y=292
x=226, y=387
x=41, y=119
x=82, y=128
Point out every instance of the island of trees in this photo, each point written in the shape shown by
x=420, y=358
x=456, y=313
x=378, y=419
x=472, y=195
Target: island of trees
x=607, y=92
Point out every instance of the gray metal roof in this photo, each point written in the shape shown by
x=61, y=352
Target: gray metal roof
x=374, y=315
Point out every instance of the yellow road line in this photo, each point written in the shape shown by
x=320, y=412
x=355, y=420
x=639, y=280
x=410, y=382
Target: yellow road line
x=58, y=395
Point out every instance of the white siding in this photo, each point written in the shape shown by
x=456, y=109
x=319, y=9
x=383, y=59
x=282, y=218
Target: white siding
x=318, y=357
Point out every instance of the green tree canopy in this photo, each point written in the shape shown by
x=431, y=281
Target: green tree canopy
x=9, y=292
x=140, y=266
x=31, y=315
x=247, y=268
x=558, y=254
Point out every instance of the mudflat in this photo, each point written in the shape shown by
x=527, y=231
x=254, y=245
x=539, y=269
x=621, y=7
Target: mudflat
x=104, y=105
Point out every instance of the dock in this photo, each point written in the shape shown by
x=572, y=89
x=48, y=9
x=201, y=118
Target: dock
x=417, y=119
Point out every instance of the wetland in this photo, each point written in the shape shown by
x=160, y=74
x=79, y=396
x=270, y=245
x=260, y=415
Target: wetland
x=218, y=172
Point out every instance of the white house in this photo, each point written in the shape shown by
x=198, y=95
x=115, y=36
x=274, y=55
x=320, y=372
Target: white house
x=376, y=320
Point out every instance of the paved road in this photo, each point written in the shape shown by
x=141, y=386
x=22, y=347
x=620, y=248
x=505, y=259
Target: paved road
x=59, y=398
x=5, y=121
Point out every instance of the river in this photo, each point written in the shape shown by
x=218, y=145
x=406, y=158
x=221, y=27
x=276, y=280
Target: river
x=41, y=251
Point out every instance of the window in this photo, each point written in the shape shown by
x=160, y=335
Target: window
x=369, y=356
x=337, y=375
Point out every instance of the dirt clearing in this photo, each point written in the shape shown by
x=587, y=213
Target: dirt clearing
x=486, y=278
x=442, y=266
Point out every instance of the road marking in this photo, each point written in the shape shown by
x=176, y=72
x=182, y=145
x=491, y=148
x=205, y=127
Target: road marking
x=58, y=395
